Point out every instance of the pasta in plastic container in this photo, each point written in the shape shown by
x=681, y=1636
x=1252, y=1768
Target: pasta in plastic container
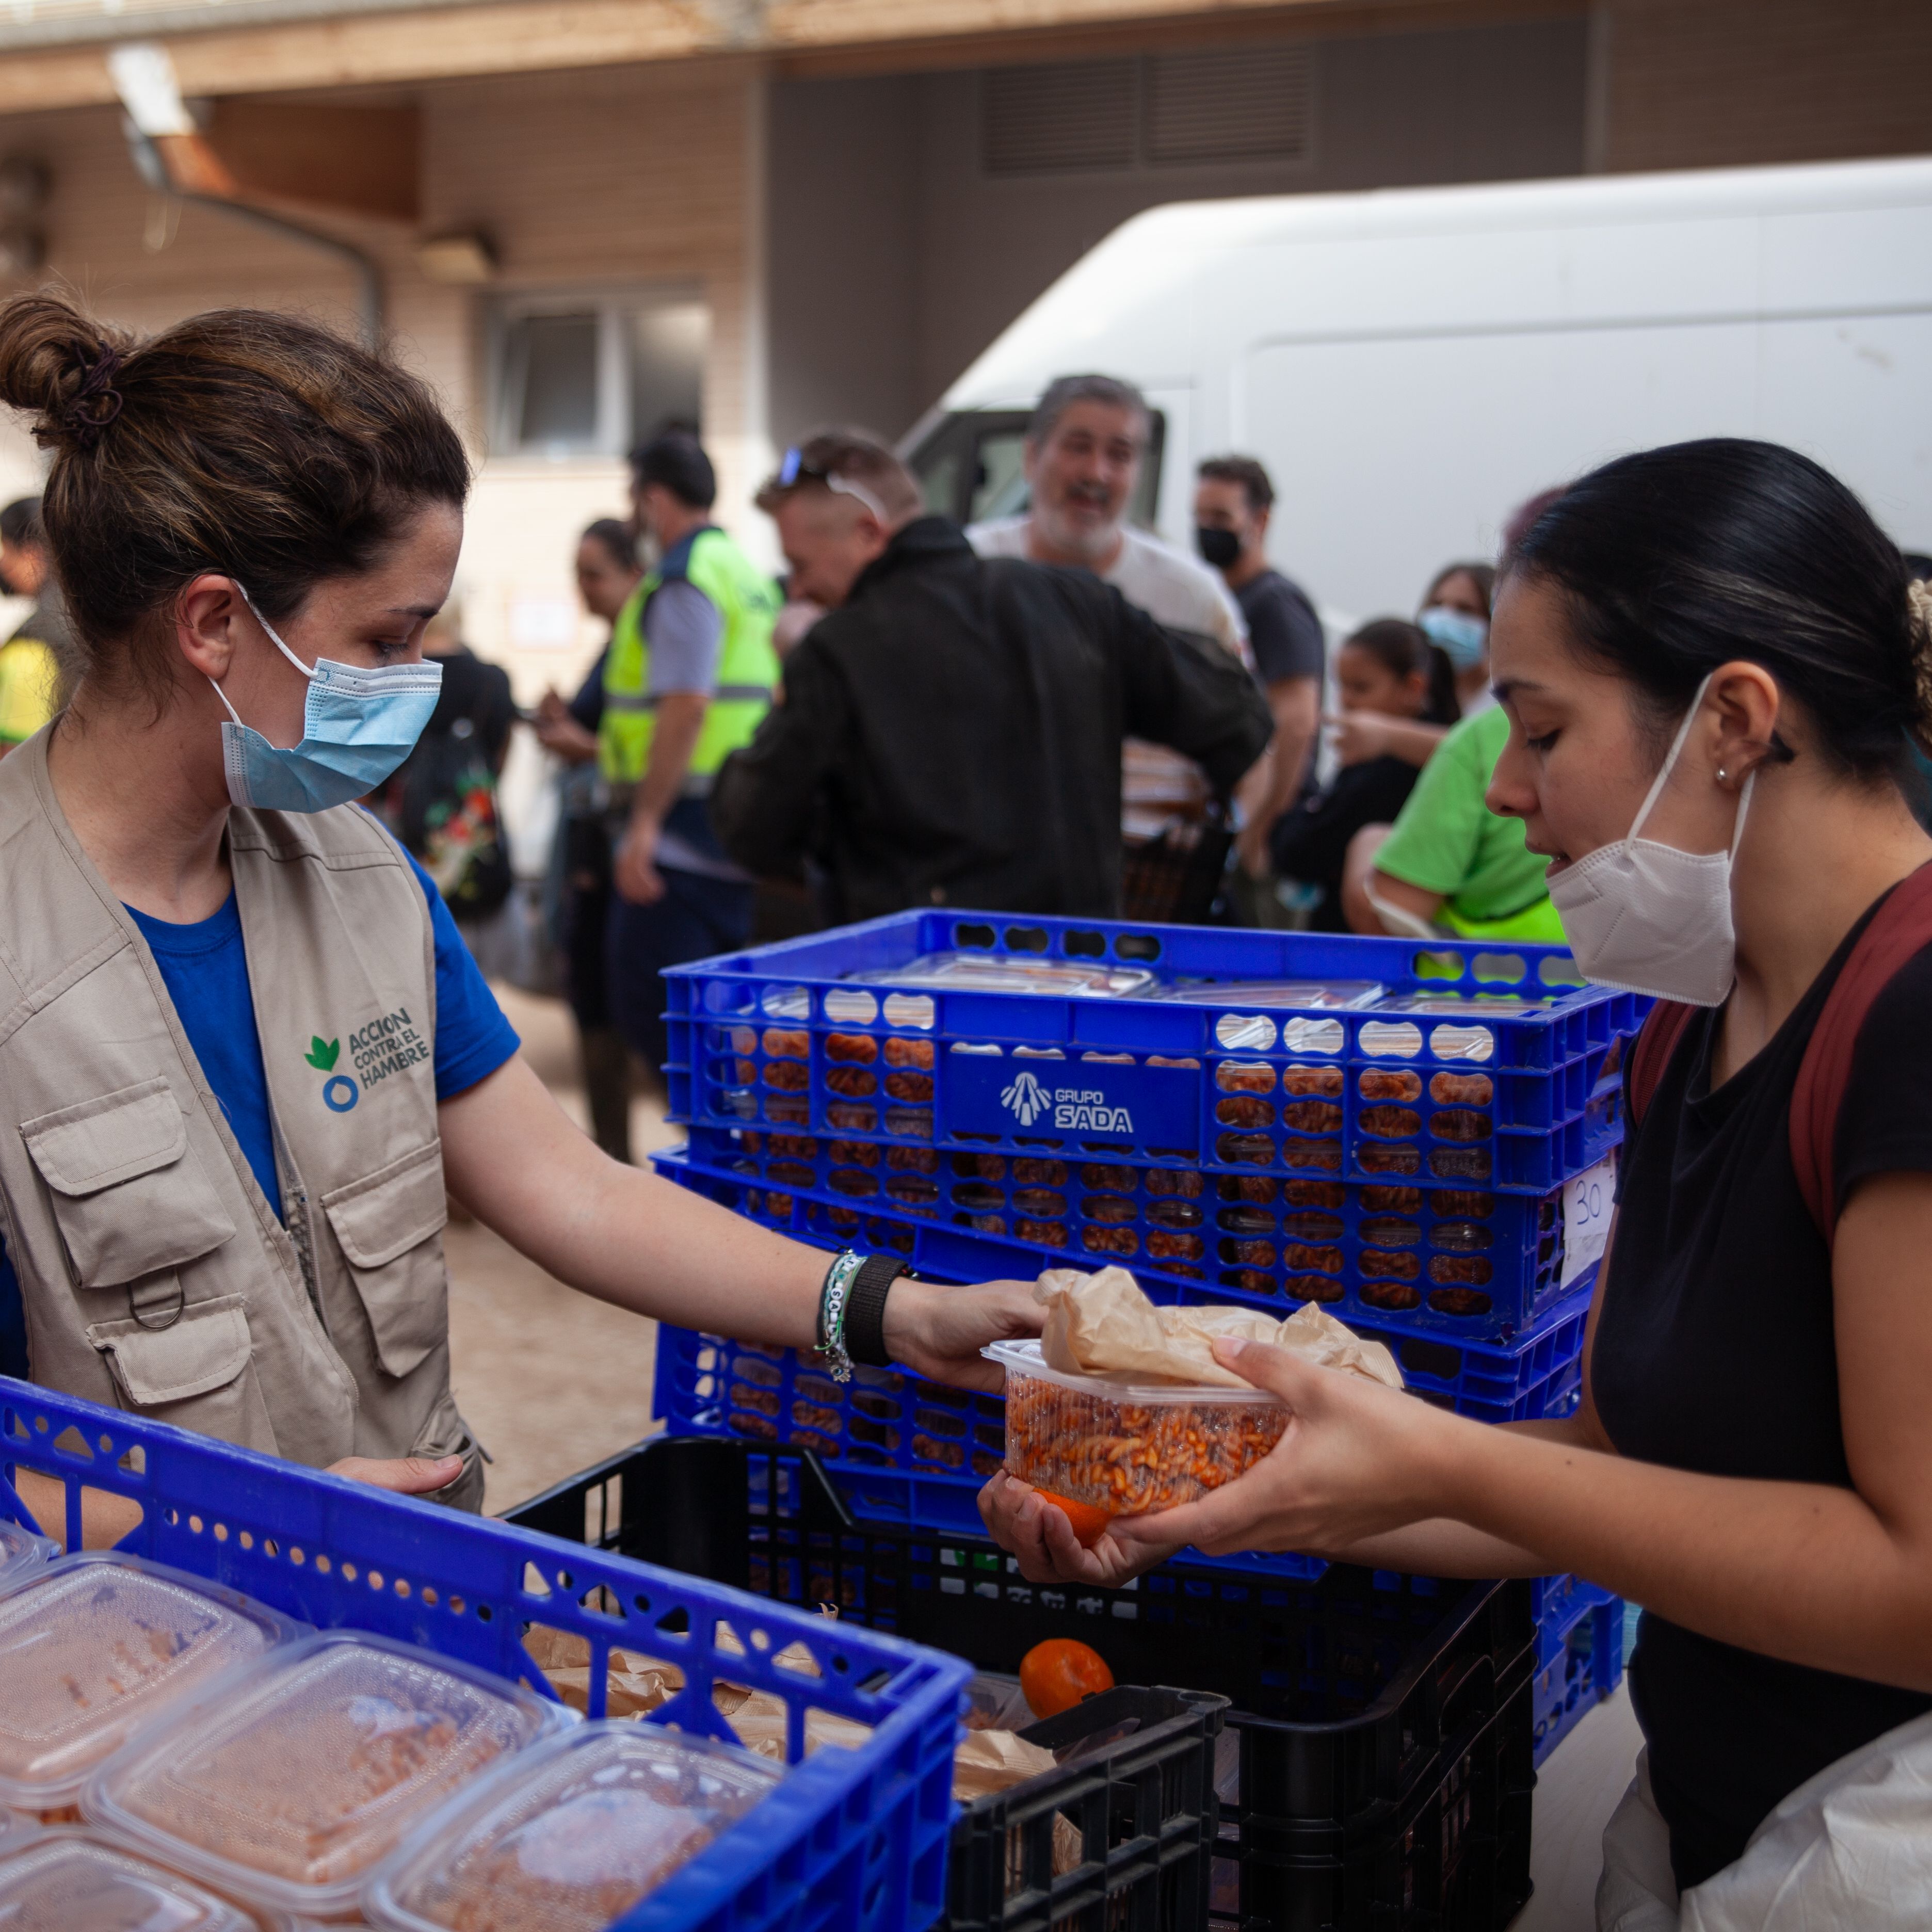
x=99, y=1646
x=291, y=1786
x=570, y=1837
x=69, y=1881
x=1121, y=1444
x=23, y=1555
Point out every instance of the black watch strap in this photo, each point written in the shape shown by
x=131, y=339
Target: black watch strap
x=865, y=1309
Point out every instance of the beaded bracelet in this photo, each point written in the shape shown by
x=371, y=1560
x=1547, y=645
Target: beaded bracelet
x=831, y=1298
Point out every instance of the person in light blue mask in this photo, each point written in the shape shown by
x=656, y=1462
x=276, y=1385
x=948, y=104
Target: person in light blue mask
x=357, y=726
x=1455, y=618
x=250, y=1061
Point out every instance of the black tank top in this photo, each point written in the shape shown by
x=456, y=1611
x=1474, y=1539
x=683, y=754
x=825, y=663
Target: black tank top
x=1715, y=1351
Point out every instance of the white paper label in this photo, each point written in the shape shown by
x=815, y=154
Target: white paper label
x=1587, y=1203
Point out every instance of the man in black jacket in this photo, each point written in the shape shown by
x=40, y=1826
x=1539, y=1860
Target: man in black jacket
x=949, y=733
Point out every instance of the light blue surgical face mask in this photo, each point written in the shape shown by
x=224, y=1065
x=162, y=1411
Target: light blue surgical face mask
x=1463, y=638
x=357, y=726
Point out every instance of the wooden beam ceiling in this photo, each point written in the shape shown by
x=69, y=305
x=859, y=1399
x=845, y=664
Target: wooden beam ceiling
x=800, y=36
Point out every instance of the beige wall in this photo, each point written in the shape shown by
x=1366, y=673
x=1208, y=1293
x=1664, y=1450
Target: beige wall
x=636, y=175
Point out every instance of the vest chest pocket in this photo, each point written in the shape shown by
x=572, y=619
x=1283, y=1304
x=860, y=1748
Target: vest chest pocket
x=129, y=1191
x=386, y=1225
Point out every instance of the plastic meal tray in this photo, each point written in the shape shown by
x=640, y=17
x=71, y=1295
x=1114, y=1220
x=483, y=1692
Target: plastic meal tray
x=68, y=1881
x=1008, y=973
x=1335, y=993
x=571, y=1835
x=23, y=1555
x=1128, y=1445
x=97, y=1645
x=299, y=1780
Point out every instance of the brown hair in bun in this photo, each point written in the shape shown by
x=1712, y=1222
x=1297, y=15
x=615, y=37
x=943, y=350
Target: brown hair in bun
x=252, y=444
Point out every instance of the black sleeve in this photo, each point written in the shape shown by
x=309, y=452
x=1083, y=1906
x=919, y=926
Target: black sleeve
x=1286, y=636
x=1885, y=1118
x=1187, y=693
x=1310, y=843
x=765, y=800
x=587, y=706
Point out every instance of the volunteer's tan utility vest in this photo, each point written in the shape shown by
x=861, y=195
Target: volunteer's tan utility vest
x=155, y=1274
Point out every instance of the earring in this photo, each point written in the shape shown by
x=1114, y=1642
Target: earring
x=1722, y=774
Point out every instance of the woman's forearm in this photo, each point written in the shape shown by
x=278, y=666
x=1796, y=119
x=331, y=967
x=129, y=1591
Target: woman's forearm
x=1439, y=1548
x=1414, y=744
x=1796, y=1570
x=620, y=1233
x=511, y=1157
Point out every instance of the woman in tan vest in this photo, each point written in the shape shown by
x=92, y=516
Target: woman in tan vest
x=243, y=1053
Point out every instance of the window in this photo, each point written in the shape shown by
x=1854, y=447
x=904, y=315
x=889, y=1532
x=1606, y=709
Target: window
x=594, y=375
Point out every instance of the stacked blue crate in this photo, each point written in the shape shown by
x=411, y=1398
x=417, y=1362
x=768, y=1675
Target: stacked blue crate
x=854, y=1837
x=1580, y=1656
x=1404, y=1163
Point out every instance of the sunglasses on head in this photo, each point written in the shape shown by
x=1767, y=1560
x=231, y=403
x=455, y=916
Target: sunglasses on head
x=797, y=468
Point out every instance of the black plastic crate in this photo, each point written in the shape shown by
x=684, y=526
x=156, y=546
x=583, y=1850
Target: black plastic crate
x=1176, y=877
x=1454, y=1854
x=1137, y=1785
x=1361, y=1699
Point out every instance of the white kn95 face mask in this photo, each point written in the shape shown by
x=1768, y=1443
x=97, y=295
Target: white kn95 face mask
x=1647, y=918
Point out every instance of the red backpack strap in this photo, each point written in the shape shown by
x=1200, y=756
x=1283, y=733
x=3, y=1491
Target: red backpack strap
x=1899, y=930
x=1656, y=1042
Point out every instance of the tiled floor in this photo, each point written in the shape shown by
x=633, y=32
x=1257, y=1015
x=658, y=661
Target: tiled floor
x=550, y=1380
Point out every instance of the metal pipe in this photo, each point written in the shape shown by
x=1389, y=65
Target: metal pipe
x=154, y=170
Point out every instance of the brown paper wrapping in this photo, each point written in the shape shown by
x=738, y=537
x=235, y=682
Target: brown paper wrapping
x=990, y=1761
x=1103, y=1323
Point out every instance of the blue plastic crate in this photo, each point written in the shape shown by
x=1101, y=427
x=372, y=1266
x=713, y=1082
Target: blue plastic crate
x=909, y=1452
x=1580, y=1656
x=1498, y=1379
x=779, y=1037
x=850, y=1838
x=1473, y=1264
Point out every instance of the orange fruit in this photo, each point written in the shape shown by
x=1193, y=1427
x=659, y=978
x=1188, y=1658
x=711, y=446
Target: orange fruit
x=1055, y=1675
x=1090, y=1521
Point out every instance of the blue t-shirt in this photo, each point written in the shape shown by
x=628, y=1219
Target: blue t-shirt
x=206, y=971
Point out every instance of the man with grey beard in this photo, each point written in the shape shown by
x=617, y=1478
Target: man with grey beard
x=1084, y=450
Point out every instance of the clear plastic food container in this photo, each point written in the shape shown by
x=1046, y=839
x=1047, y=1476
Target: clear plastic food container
x=1122, y=1446
x=571, y=1836
x=296, y=1781
x=22, y=1555
x=1338, y=993
x=1012, y=973
x=99, y=1646
x=71, y=1881
x=1483, y=1006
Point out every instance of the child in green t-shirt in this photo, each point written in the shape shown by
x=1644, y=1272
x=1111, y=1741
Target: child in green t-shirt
x=1446, y=842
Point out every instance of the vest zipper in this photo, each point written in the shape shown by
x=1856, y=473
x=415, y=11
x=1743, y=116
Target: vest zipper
x=295, y=1219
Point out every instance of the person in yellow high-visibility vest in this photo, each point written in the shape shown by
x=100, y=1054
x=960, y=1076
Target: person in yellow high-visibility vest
x=688, y=677
x=30, y=658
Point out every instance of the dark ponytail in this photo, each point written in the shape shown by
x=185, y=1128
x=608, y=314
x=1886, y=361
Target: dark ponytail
x=1677, y=560
x=1402, y=649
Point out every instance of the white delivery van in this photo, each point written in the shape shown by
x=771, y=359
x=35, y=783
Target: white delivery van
x=1411, y=365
